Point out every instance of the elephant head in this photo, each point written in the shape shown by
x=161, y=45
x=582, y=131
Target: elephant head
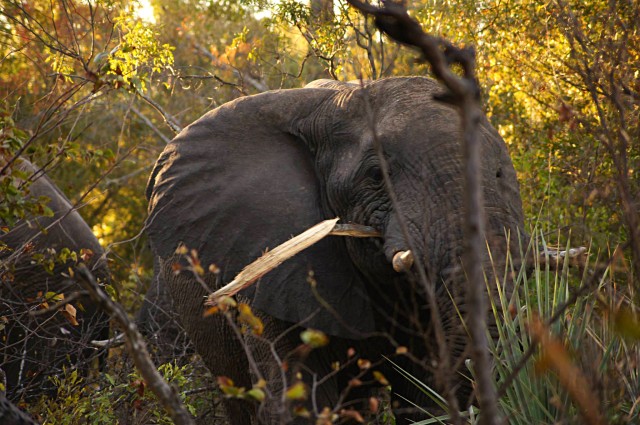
x=37, y=343
x=251, y=173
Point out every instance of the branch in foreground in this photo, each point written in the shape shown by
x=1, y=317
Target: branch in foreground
x=137, y=349
x=570, y=376
x=11, y=415
x=392, y=19
x=272, y=259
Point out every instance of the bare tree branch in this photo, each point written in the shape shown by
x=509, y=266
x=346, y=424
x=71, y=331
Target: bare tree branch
x=258, y=85
x=168, y=118
x=150, y=124
x=392, y=19
x=137, y=349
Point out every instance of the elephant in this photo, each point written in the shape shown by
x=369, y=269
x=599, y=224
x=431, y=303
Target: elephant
x=158, y=321
x=248, y=175
x=38, y=344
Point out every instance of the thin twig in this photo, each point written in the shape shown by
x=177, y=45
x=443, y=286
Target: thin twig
x=168, y=118
x=137, y=349
x=392, y=19
x=149, y=124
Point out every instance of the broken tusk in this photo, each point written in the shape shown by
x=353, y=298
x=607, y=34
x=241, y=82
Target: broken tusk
x=402, y=261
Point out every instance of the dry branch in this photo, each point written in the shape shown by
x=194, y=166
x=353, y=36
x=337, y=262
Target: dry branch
x=137, y=349
x=116, y=341
x=272, y=259
x=463, y=92
x=355, y=231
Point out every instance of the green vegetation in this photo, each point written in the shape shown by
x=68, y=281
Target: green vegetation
x=121, y=397
x=91, y=93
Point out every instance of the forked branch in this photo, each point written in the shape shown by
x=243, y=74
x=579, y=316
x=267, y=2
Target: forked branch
x=137, y=349
x=463, y=92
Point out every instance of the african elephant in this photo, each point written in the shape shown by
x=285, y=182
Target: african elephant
x=248, y=175
x=36, y=343
x=158, y=321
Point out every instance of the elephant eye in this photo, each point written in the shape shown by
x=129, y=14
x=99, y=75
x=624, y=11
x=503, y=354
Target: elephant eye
x=499, y=173
x=375, y=173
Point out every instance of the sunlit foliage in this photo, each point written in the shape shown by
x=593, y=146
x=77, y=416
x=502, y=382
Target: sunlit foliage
x=91, y=93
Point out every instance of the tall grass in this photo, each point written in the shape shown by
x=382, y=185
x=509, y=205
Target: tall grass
x=588, y=315
x=578, y=309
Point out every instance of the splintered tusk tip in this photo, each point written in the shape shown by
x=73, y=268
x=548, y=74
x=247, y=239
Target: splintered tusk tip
x=402, y=261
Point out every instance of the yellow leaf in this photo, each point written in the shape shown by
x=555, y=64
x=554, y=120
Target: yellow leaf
x=314, y=338
x=248, y=319
x=53, y=296
x=197, y=268
x=380, y=378
x=225, y=303
x=256, y=394
x=402, y=350
x=355, y=382
x=228, y=388
x=297, y=391
x=211, y=311
x=364, y=364
x=302, y=412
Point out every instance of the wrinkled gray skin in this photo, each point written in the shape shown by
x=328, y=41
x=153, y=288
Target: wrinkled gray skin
x=38, y=346
x=248, y=175
x=159, y=323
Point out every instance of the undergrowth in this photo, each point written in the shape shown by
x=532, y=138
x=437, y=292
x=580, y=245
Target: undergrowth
x=584, y=325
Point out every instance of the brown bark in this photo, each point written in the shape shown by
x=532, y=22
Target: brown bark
x=393, y=19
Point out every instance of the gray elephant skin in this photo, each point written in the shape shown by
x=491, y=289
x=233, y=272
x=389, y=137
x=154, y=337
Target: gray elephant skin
x=37, y=346
x=250, y=174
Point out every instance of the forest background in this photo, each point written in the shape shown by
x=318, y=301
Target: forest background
x=91, y=91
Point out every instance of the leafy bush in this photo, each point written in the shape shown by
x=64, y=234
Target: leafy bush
x=124, y=398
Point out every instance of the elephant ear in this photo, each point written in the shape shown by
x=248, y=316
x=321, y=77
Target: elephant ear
x=240, y=181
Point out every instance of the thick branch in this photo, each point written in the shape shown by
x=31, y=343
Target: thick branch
x=11, y=415
x=393, y=19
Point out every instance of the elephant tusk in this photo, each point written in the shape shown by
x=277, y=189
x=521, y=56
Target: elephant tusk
x=402, y=261
x=355, y=231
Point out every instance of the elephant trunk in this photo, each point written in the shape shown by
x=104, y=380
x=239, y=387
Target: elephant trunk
x=402, y=242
